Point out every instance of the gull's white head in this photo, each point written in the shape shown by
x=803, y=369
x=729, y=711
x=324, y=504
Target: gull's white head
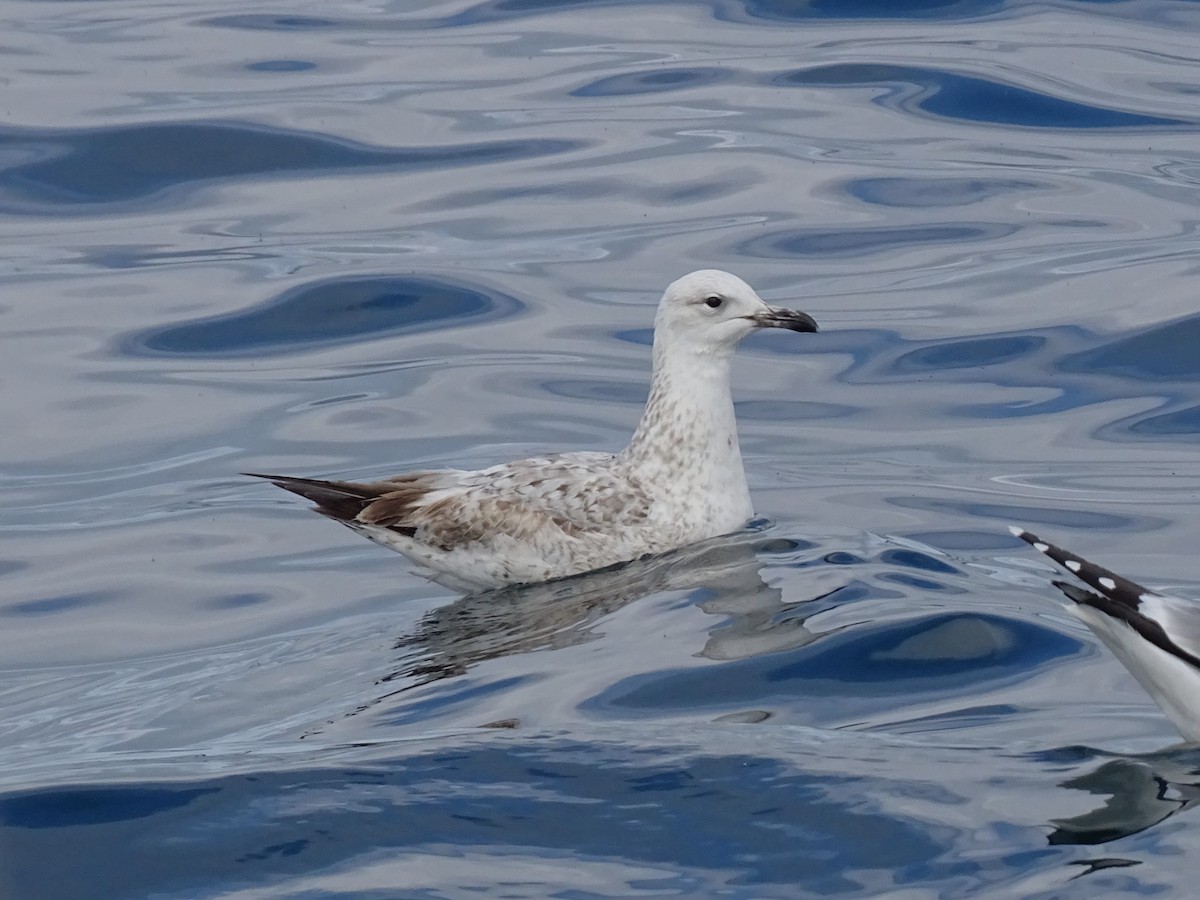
x=709, y=311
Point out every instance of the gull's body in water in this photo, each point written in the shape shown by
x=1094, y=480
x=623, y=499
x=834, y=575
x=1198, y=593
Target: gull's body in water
x=679, y=481
x=1155, y=636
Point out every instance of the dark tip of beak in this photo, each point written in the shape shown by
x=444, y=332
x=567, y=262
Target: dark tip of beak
x=792, y=320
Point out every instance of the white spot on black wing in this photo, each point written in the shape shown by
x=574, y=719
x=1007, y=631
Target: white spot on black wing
x=1117, y=597
x=1117, y=589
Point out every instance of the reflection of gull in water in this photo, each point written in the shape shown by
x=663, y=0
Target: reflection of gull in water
x=1141, y=791
x=679, y=481
x=1156, y=636
x=721, y=577
x=557, y=614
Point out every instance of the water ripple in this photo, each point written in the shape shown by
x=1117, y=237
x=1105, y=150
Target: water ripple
x=342, y=310
x=784, y=10
x=64, y=170
x=296, y=238
x=1166, y=352
x=924, y=192
x=941, y=651
x=970, y=98
x=865, y=240
x=970, y=353
x=654, y=81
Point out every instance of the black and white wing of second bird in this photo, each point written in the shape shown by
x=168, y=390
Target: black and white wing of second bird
x=1155, y=636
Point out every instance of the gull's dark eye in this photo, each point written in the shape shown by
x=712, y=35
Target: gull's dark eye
x=714, y=302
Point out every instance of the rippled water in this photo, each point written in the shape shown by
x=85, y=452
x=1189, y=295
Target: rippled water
x=348, y=240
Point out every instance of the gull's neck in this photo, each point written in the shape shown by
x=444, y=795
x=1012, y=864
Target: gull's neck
x=685, y=448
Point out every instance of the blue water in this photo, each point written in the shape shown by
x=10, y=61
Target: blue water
x=352, y=240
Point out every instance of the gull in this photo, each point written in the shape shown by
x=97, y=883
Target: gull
x=680, y=480
x=1155, y=636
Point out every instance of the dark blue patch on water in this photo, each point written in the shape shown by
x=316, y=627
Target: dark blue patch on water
x=495, y=9
x=882, y=355
x=281, y=65
x=915, y=559
x=340, y=311
x=642, y=336
x=80, y=167
x=946, y=649
x=502, y=10
x=653, y=81
x=237, y=601
x=267, y=22
x=1166, y=352
x=77, y=807
x=871, y=9
x=969, y=353
x=1177, y=424
x=970, y=98
x=592, y=390
x=865, y=241
x=56, y=604
x=542, y=801
x=791, y=410
x=921, y=193
x=947, y=654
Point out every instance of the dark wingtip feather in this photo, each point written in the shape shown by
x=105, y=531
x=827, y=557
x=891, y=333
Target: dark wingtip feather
x=337, y=499
x=1116, y=588
x=1115, y=596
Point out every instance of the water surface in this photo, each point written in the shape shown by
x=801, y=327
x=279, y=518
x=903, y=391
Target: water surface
x=349, y=242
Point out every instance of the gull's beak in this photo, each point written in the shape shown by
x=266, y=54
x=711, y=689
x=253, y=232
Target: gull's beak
x=777, y=317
